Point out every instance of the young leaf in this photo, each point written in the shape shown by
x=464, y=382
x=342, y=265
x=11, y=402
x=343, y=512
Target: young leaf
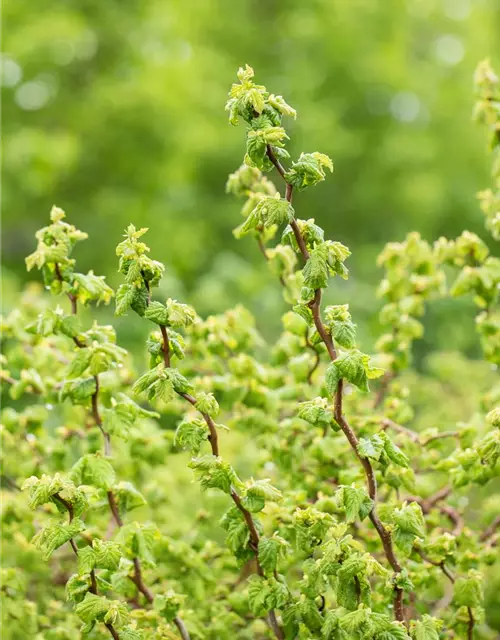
x=357, y=503
x=191, y=434
x=350, y=365
x=371, y=447
x=317, y=270
x=55, y=535
x=206, y=403
x=94, y=470
x=271, y=550
x=157, y=312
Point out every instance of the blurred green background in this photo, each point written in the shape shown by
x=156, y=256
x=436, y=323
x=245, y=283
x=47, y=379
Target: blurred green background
x=114, y=111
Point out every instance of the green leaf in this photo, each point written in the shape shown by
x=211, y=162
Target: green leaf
x=393, y=452
x=138, y=540
x=70, y=326
x=357, y=503
x=47, y=322
x=107, y=554
x=394, y=631
x=356, y=622
x=92, y=608
x=258, y=493
x=410, y=519
x=128, y=497
x=317, y=270
x=163, y=389
x=157, y=313
x=266, y=594
x=332, y=378
x=89, y=287
x=280, y=105
x=349, y=578
x=270, y=551
x=316, y=411
x=273, y=210
x=427, y=628
x=493, y=417
x=140, y=301
x=79, y=390
x=238, y=534
x=147, y=379
x=410, y=524
x=206, y=403
x=77, y=586
x=86, y=560
x=350, y=365
x=214, y=473
x=308, y=170
x=100, y=361
x=92, y=469
x=330, y=629
x=127, y=633
x=344, y=333
x=256, y=151
x=258, y=592
x=42, y=489
x=167, y=604
x=191, y=434
x=117, y=614
x=54, y=536
x=371, y=447
x=468, y=591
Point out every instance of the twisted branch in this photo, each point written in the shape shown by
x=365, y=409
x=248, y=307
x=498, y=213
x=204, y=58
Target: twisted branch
x=315, y=306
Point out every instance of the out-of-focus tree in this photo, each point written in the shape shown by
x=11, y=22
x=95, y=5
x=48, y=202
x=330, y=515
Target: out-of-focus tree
x=112, y=109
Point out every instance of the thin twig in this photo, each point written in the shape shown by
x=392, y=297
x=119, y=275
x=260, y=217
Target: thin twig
x=384, y=387
x=491, y=529
x=317, y=358
x=441, y=564
x=439, y=436
x=93, y=582
x=434, y=502
x=470, y=625
x=390, y=424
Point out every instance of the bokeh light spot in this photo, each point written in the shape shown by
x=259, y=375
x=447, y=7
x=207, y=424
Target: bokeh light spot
x=33, y=95
x=405, y=106
x=10, y=72
x=449, y=49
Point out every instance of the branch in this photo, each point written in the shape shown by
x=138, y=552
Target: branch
x=316, y=355
x=263, y=250
x=490, y=530
x=137, y=578
x=450, y=512
x=384, y=386
x=97, y=418
x=214, y=444
x=441, y=564
x=438, y=436
x=470, y=626
x=390, y=424
x=315, y=305
x=93, y=583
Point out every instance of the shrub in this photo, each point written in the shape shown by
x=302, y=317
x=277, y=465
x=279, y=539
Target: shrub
x=359, y=503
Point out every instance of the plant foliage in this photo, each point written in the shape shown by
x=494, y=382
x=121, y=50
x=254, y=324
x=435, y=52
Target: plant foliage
x=349, y=521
